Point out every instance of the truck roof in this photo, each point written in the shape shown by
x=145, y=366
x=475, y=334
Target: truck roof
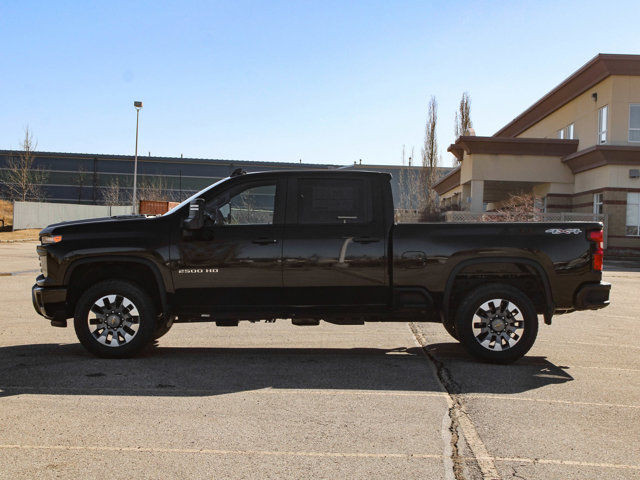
x=320, y=172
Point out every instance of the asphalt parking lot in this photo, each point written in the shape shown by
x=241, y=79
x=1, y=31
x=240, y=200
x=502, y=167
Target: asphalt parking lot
x=280, y=401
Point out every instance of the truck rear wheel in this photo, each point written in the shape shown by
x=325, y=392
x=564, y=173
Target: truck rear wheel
x=115, y=319
x=497, y=323
x=450, y=327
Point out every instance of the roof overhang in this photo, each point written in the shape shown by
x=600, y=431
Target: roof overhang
x=449, y=181
x=600, y=155
x=593, y=72
x=512, y=146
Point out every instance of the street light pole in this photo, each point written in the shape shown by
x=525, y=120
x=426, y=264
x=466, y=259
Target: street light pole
x=134, y=206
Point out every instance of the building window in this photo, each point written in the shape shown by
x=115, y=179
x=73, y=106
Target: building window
x=597, y=203
x=633, y=213
x=602, y=124
x=634, y=122
x=566, y=133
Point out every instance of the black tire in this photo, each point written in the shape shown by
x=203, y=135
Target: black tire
x=162, y=327
x=525, y=321
x=450, y=327
x=145, y=324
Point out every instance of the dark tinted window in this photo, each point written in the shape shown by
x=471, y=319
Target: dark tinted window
x=333, y=201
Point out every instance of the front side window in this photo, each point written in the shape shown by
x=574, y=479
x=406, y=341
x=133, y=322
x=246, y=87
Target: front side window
x=254, y=205
x=333, y=201
x=603, y=113
x=634, y=122
x=597, y=203
x=633, y=213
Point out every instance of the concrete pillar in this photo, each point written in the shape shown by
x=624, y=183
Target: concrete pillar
x=477, y=196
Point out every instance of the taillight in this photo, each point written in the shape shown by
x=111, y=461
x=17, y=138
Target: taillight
x=596, y=236
x=598, y=256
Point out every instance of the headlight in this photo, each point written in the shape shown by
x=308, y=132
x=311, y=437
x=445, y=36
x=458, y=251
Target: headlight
x=49, y=239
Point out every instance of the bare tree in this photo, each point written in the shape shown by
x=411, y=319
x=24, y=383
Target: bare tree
x=463, y=116
x=409, y=186
x=411, y=194
x=518, y=207
x=111, y=194
x=430, y=157
x=81, y=177
x=23, y=180
x=156, y=189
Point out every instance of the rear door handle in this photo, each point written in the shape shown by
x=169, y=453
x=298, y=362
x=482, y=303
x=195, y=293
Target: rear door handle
x=265, y=241
x=366, y=239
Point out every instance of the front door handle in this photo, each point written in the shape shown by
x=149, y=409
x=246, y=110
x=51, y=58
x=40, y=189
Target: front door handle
x=366, y=239
x=265, y=241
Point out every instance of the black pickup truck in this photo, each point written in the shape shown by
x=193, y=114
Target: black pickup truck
x=310, y=246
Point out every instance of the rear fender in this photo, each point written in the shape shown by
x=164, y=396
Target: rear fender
x=548, y=295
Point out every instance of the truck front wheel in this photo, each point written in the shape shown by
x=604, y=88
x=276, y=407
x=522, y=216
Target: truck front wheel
x=497, y=323
x=115, y=319
x=163, y=325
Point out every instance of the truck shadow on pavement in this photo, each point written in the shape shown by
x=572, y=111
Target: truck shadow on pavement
x=67, y=369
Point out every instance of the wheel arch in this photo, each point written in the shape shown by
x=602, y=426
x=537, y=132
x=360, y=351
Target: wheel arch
x=117, y=267
x=541, y=275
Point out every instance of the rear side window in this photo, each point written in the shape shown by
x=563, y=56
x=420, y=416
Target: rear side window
x=333, y=201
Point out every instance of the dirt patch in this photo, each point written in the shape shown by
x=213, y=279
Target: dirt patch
x=6, y=212
x=20, y=235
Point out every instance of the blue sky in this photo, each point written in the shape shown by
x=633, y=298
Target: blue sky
x=278, y=81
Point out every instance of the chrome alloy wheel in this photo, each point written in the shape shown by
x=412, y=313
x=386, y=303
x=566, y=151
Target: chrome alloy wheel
x=496, y=324
x=113, y=320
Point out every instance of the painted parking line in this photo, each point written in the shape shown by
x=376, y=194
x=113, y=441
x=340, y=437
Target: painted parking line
x=212, y=451
x=616, y=345
x=458, y=360
x=19, y=272
x=403, y=456
x=612, y=369
x=512, y=398
x=569, y=463
x=170, y=389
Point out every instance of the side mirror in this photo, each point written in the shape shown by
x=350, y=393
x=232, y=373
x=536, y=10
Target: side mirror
x=195, y=220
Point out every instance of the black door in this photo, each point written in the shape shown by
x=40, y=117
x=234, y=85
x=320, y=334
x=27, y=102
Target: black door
x=335, y=244
x=235, y=259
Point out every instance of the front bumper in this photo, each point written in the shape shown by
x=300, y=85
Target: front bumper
x=592, y=296
x=50, y=302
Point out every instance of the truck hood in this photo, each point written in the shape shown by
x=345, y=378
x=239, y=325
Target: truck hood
x=89, y=223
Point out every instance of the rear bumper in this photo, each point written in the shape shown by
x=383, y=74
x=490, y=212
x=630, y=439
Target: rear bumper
x=592, y=296
x=50, y=302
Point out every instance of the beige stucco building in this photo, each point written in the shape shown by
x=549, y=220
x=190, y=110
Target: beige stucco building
x=577, y=149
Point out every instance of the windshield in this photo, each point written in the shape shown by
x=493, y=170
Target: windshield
x=195, y=195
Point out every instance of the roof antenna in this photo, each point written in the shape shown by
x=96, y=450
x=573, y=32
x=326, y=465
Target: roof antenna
x=237, y=172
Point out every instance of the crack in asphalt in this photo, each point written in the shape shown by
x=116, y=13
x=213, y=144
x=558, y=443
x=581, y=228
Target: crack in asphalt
x=460, y=421
x=516, y=474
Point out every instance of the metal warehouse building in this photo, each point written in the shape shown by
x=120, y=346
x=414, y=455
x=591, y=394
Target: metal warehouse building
x=84, y=177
